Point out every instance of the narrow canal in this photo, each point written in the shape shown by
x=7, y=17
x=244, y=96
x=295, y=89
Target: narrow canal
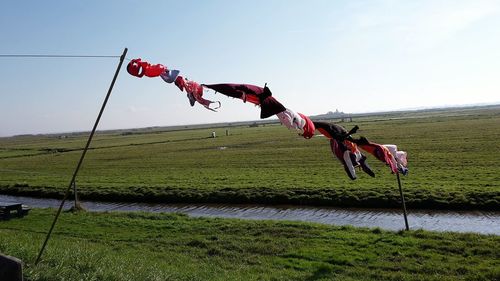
x=390, y=219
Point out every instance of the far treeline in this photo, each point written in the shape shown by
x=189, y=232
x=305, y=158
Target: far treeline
x=453, y=162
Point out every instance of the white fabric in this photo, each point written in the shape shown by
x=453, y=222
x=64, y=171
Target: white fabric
x=358, y=155
x=169, y=76
x=349, y=164
x=291, y=119
x=398, y=157
x=401, y=157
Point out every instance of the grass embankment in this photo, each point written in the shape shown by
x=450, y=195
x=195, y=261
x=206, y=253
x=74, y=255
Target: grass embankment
x=136, y=246
x=453, y=157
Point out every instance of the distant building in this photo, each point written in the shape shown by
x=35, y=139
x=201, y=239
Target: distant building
x=337, y=113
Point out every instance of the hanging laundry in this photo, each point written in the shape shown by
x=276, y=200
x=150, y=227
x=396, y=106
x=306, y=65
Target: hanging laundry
x=342, y=144
x=308, y=128
x=350, y=157
x=194, y=91
x=291, y=119
x=269, y=106
x=169, y=76
x=380, y=152
x=399, y=158
x=139, y=68
x=344, y=149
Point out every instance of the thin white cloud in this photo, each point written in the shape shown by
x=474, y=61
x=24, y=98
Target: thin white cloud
x=432, y=27
x=422, y=24
x=135, y=109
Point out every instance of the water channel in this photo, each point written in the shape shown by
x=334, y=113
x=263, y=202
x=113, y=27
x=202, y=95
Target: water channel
x=391, y=219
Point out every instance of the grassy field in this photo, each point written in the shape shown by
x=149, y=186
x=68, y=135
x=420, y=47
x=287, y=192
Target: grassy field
x=137, y=246
x=453, y=158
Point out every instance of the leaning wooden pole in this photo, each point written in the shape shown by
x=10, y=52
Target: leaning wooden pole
x=403, y=202
x=122, y=58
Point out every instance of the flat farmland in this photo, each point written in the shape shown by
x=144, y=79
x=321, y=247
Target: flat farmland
x=453, y=161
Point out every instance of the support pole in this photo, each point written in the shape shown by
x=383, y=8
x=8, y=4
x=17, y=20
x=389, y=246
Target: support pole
x=122, y=58
x=76, y=195
x=403, y=202
x=77, y=206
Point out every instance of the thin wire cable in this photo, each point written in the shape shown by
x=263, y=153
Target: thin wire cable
x=56, y=56
x=75, y=173
x=53, y=56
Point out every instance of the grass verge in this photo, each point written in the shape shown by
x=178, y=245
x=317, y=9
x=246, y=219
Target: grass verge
x=138, y=246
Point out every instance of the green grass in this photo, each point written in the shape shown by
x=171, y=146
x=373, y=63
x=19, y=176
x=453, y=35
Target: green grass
x=453, y=157
x=138, y=246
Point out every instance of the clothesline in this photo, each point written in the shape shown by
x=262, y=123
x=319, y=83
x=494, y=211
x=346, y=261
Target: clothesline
x=53, y=56
x=343, y=145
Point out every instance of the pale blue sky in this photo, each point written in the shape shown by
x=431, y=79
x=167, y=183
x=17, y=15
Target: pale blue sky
x=316, y=56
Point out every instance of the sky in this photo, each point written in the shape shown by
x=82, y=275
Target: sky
x=315, y=56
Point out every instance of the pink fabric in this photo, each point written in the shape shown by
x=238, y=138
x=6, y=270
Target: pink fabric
x=291, y=120
x=195, y=90
x=399, y=158
x=381, y=153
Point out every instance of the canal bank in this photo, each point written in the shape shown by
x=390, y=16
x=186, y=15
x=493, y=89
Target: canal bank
x=484, y=222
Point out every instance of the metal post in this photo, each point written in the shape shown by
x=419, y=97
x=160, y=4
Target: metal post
x=122, y=58
x=76, y=195
x=403, y=202
x=77, y=206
